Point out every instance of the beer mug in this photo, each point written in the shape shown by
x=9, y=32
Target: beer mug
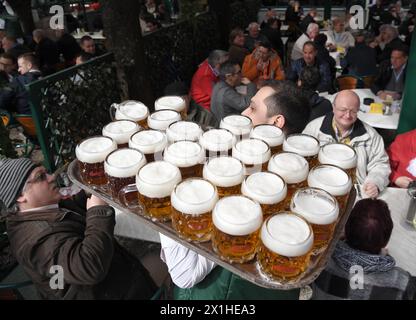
x=150, y=142
x=188, y=156
x=332, y=179
x=91, y=153
x=253, y=153
x=183, y=130
x=217, y=142
x=341, y=155
x=130, y=110
x=121, y=167
x=304, y=145
x=236, y=224
x=268, y=189
x=155, y=182
x=162, y=119
x=176, y=103
x=270, y=134
x=286, y=240
x=121, y=131
x=294, y=170
x=226, y=173
x=321, y=210
x=239, y=125
x=192, y=202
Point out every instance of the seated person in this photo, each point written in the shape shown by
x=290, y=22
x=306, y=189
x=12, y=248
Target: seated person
x=254, y=37
x=12, y=47
x=338, y=37
x=272, y=32
x=391, y=76
x=311, y=33
x=342, y=125
x=367, y=232
x=8, y=64
x=309, y=18
x=225, y=99
x=80, y=241
x=323, y=53
x=263, y=64
x=402, y=154
x=88, y=45
x=237, y=51
x=308, y=81
x=47, y=52
x=310, y=53
x=385, y=42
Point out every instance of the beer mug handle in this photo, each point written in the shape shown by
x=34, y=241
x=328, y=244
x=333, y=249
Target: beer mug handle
x=113, y=109
x=122, y=195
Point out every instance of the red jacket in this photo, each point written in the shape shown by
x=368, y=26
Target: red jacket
x=401, y=152
x=202, y=83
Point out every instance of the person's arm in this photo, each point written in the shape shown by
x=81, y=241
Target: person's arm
x=249, y=69
x=398, y=155
x=236, y=101
x=326, y=78
x=186, y=267
x=279, y=73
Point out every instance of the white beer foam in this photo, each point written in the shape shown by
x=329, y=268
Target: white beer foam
x=176, y=103
x=338, y=154
x=162, y=119
x=157, y=179
x=184, y=154
x=237, y=215
x=264, y=187
x=287, y=235
x=252, y=151
x=194, y=196
x=121, y=130
x=237, y=124
x=132, y=110
x=331, y=179
x=95, y=149
x=292, y=167
x=124, y=163
x=217, y=140
x=148, y=141
x=183, y=130
x=315, y=205
x=302, y=144
x=224, y=171
x=270, y=134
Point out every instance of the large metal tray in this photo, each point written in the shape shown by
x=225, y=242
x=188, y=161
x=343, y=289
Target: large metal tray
x=248, y=271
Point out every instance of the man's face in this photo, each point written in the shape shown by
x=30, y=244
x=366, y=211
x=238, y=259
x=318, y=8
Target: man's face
x=254, y=31
x=339, y=27
x=6, y=44
x=24, y=66
x=40, y=189
x=239, y=40
x=234, y=79
x=313, y=33
x=345, y=111
x=398, y=59
x=309, y=55
x=257, y=111
x=264, y=53
x=7, y=65
x=88, y=46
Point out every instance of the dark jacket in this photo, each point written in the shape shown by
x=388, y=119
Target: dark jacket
x=18, y=50
x=237, y=54
x=305, y=22
x=361, y=60
x=275, y=39
x=385, y=72
x=319, y=105
x=48, y=55
x=385, y=54
x=94, y=265
x=20, y=94
x=69, y=48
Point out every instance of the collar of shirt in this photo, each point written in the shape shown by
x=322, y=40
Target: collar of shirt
x=397, y=75
x=215, y=72
x=49, y=207
x=343, y=138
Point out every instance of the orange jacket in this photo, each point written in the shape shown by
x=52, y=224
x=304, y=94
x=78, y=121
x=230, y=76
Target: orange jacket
x=272, y=70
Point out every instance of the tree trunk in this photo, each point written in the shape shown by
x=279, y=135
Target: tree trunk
x=23, y=9
x=122, y=29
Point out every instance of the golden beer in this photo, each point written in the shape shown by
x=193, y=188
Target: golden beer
x=304, y=145
x=176, y=103
x=239, y=125
x=253, y=153
x=341, y=155
x=162, y=119
x=91, y=154
x=217, y=142
x=150, y=142
x=226, y=173
x=155, y=182
x=192, y=203
x=321, y=210
x=270, y=134
x=183, y=130
x=121, y=167
x=188, y=156
x=284, y=250
x=121, y=131
x=268, y=189
x=236, y=223
x=131, y=110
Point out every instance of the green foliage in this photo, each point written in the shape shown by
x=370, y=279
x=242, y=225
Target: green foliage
x=188, y=8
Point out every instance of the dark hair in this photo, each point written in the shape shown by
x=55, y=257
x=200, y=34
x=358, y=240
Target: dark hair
x=177, y=88
x=8, y=56
x=402, y=48
x=30, y=57
x=85, y=56
x=265, y=44
x=234, y=33
x=310, y=78
x=289, y=102
x=271, y=21
x=85, y=38
x=310, y=43
x=227, y=68
x=320, y=40
x=369, y=226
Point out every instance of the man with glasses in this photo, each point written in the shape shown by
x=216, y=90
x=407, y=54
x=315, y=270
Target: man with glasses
x=225, y=99
x=8, y=64
x=342, y=125
x=79, y=243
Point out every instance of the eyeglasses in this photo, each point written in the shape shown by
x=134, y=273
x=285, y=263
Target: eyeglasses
x=40, y=177
x=345, y=111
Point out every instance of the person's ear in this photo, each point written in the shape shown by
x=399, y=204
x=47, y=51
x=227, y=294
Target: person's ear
x=278, y=121
x=21, y=199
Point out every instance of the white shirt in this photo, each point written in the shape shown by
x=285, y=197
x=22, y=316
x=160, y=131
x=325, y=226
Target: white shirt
x=48, y=207
x=186, y=267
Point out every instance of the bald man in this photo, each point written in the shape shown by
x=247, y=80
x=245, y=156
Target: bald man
x=342, y=125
